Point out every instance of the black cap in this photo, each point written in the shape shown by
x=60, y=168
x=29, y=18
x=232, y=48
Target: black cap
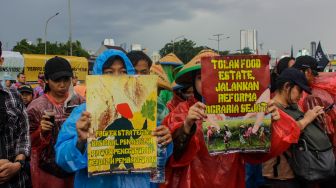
x=56, y=68
x=295, y=76
x=305, y=62
x=25, y=88
x=283, y=64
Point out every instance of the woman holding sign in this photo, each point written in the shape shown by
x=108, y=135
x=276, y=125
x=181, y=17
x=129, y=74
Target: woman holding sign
x=191, y=164
x=71, y=147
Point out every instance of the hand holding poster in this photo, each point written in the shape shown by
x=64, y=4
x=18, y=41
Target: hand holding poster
x=235, y=90
x=123, y=110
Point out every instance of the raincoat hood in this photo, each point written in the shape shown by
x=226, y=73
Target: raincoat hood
x=101, y=59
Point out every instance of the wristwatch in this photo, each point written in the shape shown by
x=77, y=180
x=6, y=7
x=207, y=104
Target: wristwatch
x=22, y=162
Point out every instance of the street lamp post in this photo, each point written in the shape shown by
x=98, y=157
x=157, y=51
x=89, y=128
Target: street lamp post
x=175, y=40
x=70, y=28
x=45, y=33
x=218, y=40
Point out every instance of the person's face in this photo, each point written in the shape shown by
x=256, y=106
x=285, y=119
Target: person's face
x=27, y=97
x=291, y=63
x=198, y=83
x=188, y=93
x=116, y=69
x=22, y=78
x=295, y=94
x=8, y=83
x=60, y=86
x=142, y=67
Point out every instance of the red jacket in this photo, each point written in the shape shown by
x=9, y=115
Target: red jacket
x=35, y=112
x=323, y=94
x=172, y=104
x=197, y=168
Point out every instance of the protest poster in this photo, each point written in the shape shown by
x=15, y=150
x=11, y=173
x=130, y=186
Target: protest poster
x=34, y=65
x=236, y=92
x=123, y=110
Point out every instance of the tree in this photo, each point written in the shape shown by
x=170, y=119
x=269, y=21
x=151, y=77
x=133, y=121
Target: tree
x=24, y=47
x=52, y=48
x=247, y=51
x=225, y=52
x=184, y=49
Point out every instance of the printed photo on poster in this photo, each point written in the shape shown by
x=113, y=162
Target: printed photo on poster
x=236, y=92
x=123, y=113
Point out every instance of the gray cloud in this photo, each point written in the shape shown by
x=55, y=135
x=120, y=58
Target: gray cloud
x=154, y=22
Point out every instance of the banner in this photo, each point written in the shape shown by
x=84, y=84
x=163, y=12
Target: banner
x=123, y=110
x=12, y=66
x=235, y=90
x=34, y=64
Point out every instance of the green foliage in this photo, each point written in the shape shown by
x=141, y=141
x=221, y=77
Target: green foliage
x=235, y=123
x=52, y=48
x=184, y=49
x=218, y=145
x=226, y=52
x=234, y=141
x=24, y=47
x=247, y=51
x=148, y=109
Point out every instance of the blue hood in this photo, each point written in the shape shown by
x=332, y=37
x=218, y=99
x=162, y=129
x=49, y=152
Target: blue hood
x=101, y=59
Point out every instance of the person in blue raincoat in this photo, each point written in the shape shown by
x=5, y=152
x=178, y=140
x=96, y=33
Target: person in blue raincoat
x=70, y=148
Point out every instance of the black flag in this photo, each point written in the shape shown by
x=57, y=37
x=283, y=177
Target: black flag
x=321, y=58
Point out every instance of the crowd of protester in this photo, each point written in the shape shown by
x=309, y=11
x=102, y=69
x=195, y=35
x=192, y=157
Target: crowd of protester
x=44, y=131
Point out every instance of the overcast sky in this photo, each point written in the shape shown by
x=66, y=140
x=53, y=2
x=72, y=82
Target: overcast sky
x=153, y=23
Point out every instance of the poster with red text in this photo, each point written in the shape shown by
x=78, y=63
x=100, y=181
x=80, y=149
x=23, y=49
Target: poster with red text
x=236, y=91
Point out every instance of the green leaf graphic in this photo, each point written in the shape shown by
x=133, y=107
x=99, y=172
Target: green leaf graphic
x=147, y=110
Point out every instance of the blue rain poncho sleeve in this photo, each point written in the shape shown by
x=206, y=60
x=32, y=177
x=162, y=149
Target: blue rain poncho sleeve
x=68, y=156
x=71, y=159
